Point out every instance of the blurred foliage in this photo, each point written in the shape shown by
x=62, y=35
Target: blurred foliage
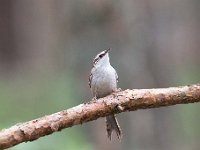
x=25, y=99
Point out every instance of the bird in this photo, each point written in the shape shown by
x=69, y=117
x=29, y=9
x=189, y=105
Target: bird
x=103, y=81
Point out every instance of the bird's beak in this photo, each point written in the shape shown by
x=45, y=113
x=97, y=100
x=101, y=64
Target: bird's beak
x=106, y=51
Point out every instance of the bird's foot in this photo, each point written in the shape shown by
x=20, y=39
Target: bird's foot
x=116, y=91
x=94, y=98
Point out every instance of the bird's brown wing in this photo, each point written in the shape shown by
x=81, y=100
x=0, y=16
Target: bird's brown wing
x=90, y=79
x=116, y=76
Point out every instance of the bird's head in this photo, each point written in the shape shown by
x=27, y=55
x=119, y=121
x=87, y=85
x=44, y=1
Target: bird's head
x=102, y=58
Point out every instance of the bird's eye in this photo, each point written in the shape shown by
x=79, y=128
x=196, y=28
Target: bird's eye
x=101, y=55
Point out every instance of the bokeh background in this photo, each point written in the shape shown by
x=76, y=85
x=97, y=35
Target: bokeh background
x=46, y=53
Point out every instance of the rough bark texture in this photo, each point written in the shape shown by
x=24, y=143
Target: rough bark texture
x=128, y=100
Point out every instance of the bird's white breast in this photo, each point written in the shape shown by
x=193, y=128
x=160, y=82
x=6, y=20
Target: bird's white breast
x=104, y=81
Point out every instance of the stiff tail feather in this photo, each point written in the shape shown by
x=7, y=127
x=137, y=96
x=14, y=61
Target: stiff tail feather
x=112, y=125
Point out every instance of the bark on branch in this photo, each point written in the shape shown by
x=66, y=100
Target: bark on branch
x=127, y=100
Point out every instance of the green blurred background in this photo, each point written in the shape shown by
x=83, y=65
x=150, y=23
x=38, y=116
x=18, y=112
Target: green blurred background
x=46, y=53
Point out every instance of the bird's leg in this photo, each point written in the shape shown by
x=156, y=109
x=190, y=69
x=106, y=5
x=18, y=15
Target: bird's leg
x=94, y=98
x=119, y=107
x=95, y=95
x=116, y=91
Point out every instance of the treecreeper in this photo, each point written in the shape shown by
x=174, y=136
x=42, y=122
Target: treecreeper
x=103, y=81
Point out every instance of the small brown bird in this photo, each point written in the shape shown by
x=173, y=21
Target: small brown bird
x=103, y=81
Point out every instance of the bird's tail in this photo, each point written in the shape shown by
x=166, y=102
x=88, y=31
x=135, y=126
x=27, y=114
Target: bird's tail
x=112, y=125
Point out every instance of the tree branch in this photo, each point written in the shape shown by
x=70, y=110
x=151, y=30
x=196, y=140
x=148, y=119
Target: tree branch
x=128, y=100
